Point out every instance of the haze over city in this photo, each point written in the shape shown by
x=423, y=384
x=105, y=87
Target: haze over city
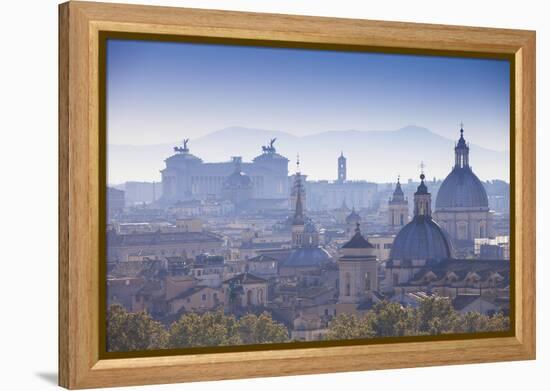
x=217, y=236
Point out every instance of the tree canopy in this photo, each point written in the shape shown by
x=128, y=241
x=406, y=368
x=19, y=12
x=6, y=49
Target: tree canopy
x=128, y=331
x=435, y=315
x=134, y=331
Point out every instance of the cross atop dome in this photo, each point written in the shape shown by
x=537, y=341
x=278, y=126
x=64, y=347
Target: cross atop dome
x=422, y=166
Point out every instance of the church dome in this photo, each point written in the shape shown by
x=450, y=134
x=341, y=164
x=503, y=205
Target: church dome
x=353, y=217
x=422, y=238
x=307, y=256
x=461, y=189
x=238, y=180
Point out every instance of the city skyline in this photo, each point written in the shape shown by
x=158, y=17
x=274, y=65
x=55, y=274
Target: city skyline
x=237, y=243
x=363, y=149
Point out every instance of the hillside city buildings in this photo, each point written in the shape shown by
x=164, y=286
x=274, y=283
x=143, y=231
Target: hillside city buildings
x=252, y=237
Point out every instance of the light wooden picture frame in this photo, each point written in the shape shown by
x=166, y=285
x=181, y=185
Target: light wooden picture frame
x=82, y=163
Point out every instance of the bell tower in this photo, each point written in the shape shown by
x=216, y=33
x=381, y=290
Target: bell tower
x=462, y=151
x=422, y=199
x=298, y=220
x=358, y=273
x=342, y=174
x=398, y=208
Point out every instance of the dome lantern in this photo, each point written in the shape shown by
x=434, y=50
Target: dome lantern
x=462, y=151
x=422, y=238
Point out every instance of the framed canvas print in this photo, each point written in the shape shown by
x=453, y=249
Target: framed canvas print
x=247, y=195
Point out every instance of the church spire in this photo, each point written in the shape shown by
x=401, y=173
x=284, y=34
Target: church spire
x=398, y=191
x=462, y=150
x=342, y=168
x=422, y=199
x=299, y=208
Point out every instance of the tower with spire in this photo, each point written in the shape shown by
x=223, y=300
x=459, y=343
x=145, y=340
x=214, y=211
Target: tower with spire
x=298, y=187
x=422, y=199
x=462, y=150
x=358, y=273
x=422, y=239
x=398, y=208
x=298, y=220
x=342, y=168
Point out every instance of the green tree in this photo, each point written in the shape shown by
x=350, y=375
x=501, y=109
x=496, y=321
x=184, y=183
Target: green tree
x=261, y=329
x=498, y=322
x=474, y=322
x=392, y=320
x=130, y=331
x=208, y=329
x=436, y=315
x=346, y=326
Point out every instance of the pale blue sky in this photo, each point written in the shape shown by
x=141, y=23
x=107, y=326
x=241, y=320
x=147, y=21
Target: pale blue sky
x=160, y=92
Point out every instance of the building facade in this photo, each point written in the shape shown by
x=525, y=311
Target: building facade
x=462, y=206
x=358, y=273
x=188, y=177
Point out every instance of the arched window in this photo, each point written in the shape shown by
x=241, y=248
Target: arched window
x=249, y=297
x=367, y=282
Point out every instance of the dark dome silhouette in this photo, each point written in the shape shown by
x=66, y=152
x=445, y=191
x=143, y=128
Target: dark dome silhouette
x=237, y=180
x=422, y=238
x=307, y=256
x=461, y=188
x=353, y=217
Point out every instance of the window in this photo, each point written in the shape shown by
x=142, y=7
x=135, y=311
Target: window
x=215, y=296
x=260, y=296
x=367, y=282
x=348, y=284
x=204, y=297
x=395, y=279
x=462, y=231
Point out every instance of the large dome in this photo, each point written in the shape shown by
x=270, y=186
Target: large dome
x=461, y=189
x=422, y=238
x=307, y=256
x=237, y=180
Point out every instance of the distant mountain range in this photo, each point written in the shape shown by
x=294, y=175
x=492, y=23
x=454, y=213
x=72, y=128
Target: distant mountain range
x=377, y=156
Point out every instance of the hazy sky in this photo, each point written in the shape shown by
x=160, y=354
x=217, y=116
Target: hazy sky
x=162, y=92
